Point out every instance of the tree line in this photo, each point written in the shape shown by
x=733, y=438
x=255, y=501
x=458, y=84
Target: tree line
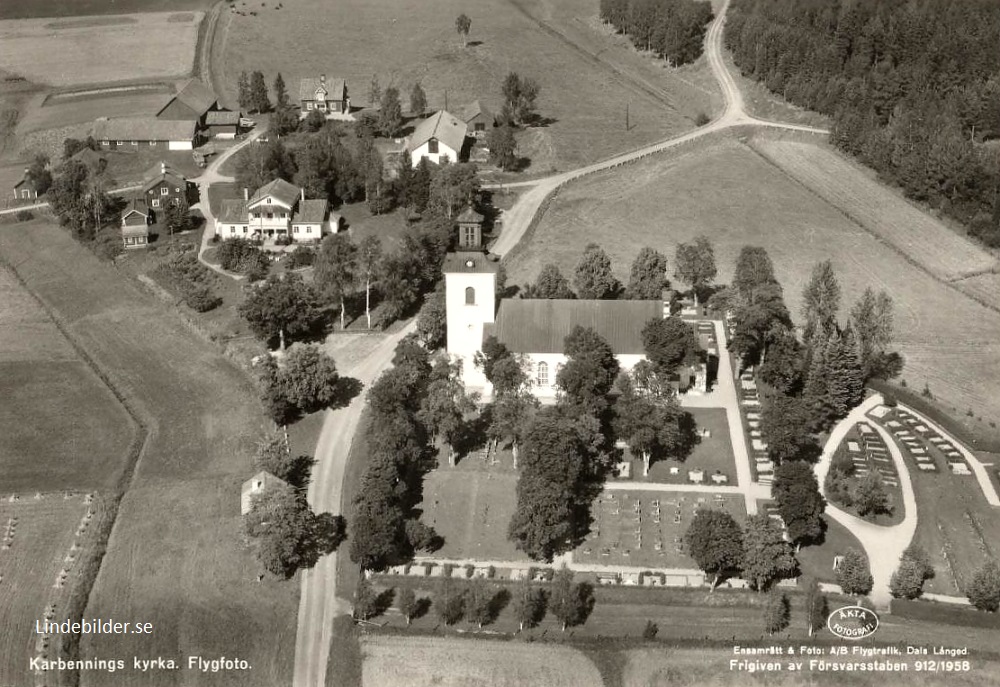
x=673, y=29
x=912, y=89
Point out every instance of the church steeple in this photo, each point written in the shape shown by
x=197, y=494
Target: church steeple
x=470, y=230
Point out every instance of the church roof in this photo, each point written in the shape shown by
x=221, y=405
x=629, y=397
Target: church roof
x=541, y=325
x=468, y=262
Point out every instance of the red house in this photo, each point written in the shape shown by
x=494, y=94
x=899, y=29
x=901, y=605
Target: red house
x=164, y=186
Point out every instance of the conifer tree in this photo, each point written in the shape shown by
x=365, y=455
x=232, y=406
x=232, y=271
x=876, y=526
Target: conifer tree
x=821, y=301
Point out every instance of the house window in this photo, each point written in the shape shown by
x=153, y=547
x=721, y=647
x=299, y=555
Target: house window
x=432, y=146
x=244, y=230
x=119, y=142
x=470, y=296
x=543, y=374
x=232, y=230
x=135, y=143
x=480, y=126
x=268, y=200
x=470, y=236
x=152, y=143
x=270, y=215
x=104, y=143
x=295, y=230
x=308, y=230
x=164, y=190
x=155, y=202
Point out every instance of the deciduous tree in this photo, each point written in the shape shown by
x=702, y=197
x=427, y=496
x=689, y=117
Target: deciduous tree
x=785, y=422
x=984, y=588
x=817, y=608
x=259, y=100
x=853, y=574
x=570, y=603
x=694, y=264
x=590, y=371
x=310, y=379
x=870, y=496
x=390, y=113
x=800, y=503
x=453, y=187
x=418, y=100
x=449, y=602
x=280, y=92
x=502, y=146
x=767, y=557
x=528, y=604
x=336, y=270
x=446, y=403
x=550, y=283
x=593, y=277
x=777, y=612
x=432, y=325
x=519, y=94
x=669, y=343
x=369, y=254
x=715, y=541
x=462, y=26
x=648, y=276
x=406, y=602
x=282, y=306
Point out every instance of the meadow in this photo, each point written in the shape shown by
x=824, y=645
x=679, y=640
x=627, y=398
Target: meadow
x=175, y=557
x=725, y=190
x=583, y=99
x=119, y=48
x=27, y=9
x=60, y=426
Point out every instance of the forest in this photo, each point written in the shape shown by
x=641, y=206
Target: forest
x=912, y=87
x=673, y=29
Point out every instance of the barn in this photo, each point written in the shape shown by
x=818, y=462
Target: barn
x=135, y=133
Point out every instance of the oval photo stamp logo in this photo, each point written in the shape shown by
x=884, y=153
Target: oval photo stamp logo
x=853, y=622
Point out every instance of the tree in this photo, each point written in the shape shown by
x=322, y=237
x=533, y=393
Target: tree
x=753, y=271
x=336, y=270
x=800, y=503
x=550, y=283
x=374, y=91
x=38, y=173
x=586, y=378
x=280, y=306
x=984, y=588
x=448, y=602
x=845, y=379
x=259, y=100
x=570, y=603
x=853, y=574
x=446, y=403
x=244, y=95
x=416, y=184
x=767, y=557
x=694, y=264
x=777, y=612
x=310, y=379
x=272, y=455
x=314, y=121
x=593, y=277
x=870, y=496
x=502, y=146
x=648, y=276
x=406, y=602
x=284, y=121
x=369, y=254
x=907, y=581
x=783, y=368
x=513, y=403
x=871, y=323
x=821, y=301
x=432, y=324
x=480, y=606
x=285, y=531
x=715, y=542
x=519, y=95
x=390, y=113
x=785, y=421
x=529, y=604
x=760, y=321
x=280, y=92
x=462, y=26
x=452, y=188
x=816, y=606
x=72, y=146
x=669, y=343
x=651, y=427
x=177, y=216
x=365, y=600
x=418, y=100
x=261, y=163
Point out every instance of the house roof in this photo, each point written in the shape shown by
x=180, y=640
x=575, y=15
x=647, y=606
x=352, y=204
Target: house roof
x=468, y=262
x=141, y=229
x=474, y=109
x=24, y=182
x=88, y=156
x=233, y=211
x=143, y=129
x=444, y=126
x=335, y=88
x=264, y=476
x=222, y=118
x=279, y=189
x=160, y=171
x=312, y=211
x=469, y=216
x=541, y=325
x=195, y=95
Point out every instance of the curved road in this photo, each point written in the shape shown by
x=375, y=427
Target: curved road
x=883, y=545
x=319, y=603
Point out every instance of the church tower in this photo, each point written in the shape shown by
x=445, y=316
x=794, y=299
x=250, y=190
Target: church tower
x=470, y=304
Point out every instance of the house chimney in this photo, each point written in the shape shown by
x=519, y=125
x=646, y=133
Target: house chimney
x=322, y=79
x=163, y=167
x=246, y=194
x=302, y=193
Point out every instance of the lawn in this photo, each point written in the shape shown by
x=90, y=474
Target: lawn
x=175, y=557
x=122, y=48
x=60, y=426
x=583, y=98
x=712, y=454
x=723, y=189
x=44, y=533
x=418, y=661
x=646, y=529
x=817, y=560
x=885, y=466
x=24, y=9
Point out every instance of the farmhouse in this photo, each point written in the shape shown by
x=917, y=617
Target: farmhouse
x=439, y=138
x=164, y=186
x=536, y=328
x=325, y=96
x=223, y=124
x=257, y=484
x=25, y=188
x=277, y=210
x=192, y=103
x=135, y=225
x=477, y=118
x=133, y=133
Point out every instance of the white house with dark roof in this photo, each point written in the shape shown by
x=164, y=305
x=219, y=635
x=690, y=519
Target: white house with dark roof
x=327, y=96
x=439, y=138
x=135, y=224
x=277, y=209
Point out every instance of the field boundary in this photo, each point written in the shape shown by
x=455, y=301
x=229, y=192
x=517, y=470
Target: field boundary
x=141, y=428
x=888, y=244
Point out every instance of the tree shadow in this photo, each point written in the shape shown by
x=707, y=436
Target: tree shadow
x=471, y=436
x=384, y=601
x=542, y=122
x=499, y=602
x=300, y=472
x=420, y=608
x=473, y=44
x=348, y=388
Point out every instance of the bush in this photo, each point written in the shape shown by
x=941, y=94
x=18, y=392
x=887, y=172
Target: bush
x=889, y=400
x=649, y=632
x=300, y=257
x=701, y=119
x=470, y=570
x=186, y=277
x=242, y=256
x=24, y=215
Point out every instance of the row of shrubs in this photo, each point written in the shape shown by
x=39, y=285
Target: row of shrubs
x=193, y=282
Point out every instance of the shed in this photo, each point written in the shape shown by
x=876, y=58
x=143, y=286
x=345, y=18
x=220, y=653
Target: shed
x=257, y=484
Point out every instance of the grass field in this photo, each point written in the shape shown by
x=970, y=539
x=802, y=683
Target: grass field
x=44, y=532
x=583, y=97
x=153, y=45
x=728, y=192
x=27, y=9
x=60, y=426
x=60, y=113
x=817, y=560
x=711, y=454
x=175, y=557
x=450, y=662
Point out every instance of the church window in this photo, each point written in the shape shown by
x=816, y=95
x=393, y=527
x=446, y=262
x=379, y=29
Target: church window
x=470, y=296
